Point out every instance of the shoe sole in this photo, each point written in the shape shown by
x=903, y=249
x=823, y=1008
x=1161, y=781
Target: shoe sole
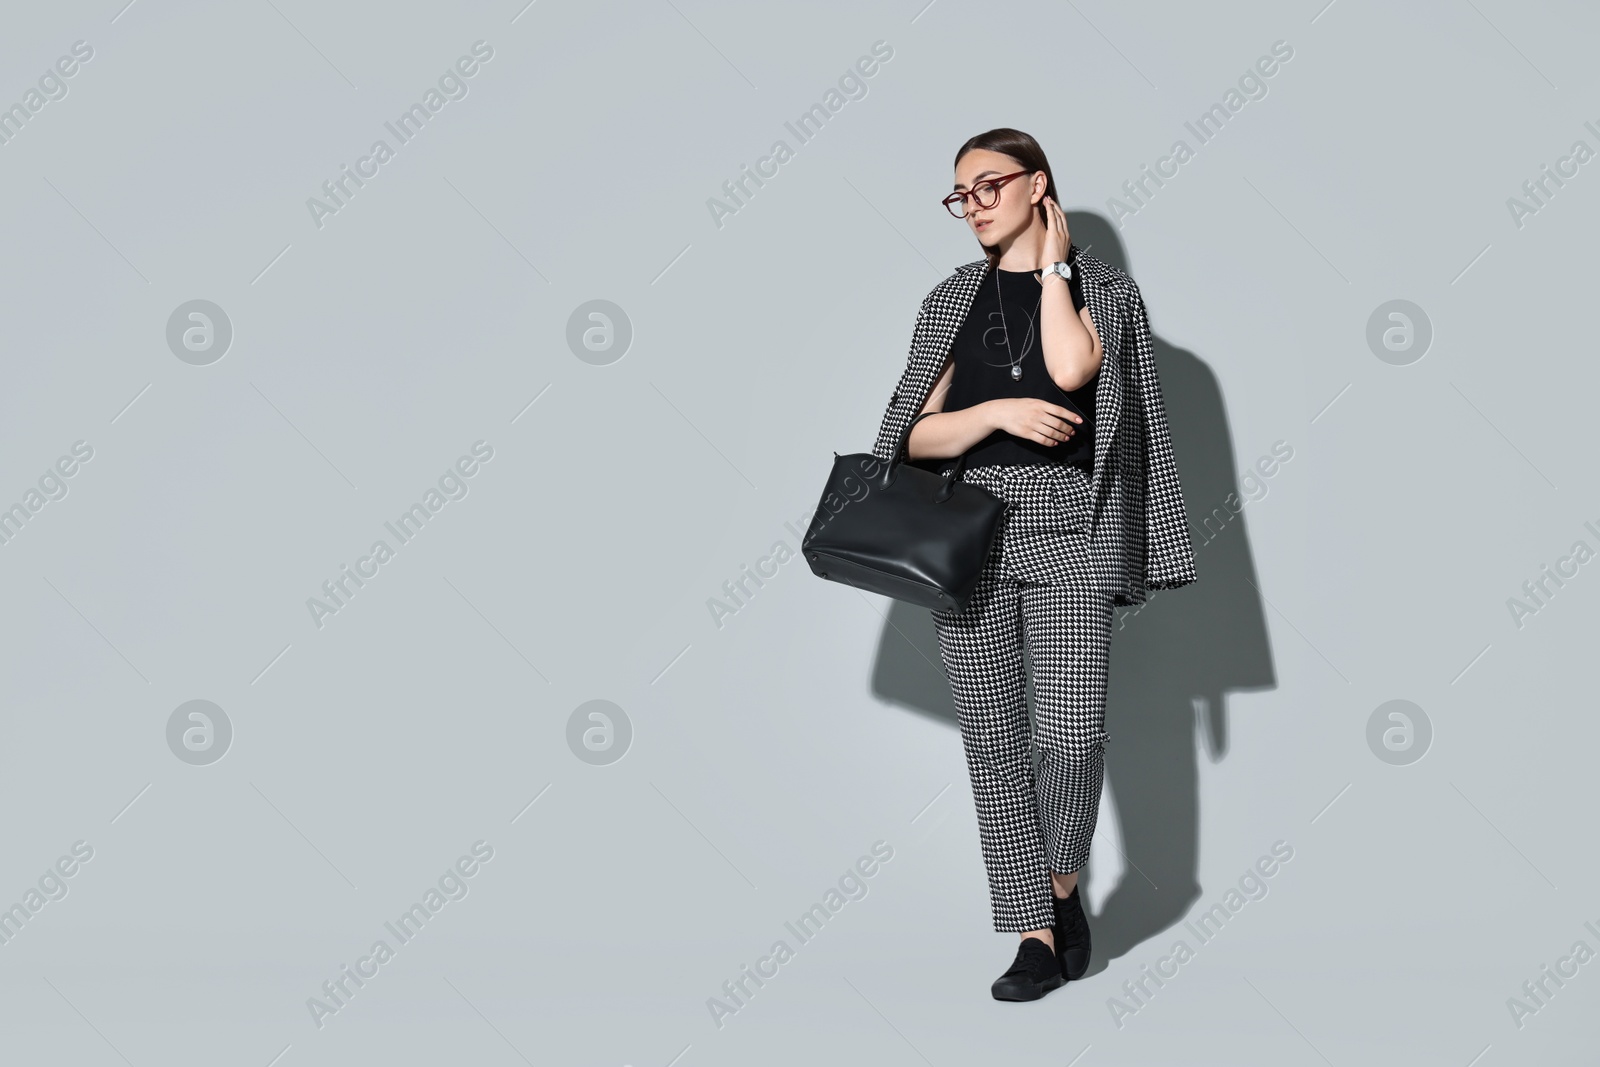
x=1038, y=991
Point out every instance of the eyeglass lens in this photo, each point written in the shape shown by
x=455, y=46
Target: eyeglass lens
x=985, y=194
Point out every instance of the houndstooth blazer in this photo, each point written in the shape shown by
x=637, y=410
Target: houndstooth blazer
x=1140, y=530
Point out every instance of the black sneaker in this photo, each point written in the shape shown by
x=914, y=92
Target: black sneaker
x=1072, y=935
x=1034, y=973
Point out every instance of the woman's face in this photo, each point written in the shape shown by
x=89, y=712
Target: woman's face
x=1014, y=211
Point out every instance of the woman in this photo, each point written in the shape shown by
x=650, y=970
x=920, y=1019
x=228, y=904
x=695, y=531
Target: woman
x=1035, y=362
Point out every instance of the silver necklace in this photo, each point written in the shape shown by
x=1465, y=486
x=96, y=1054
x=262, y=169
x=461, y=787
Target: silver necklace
x=1016, y=364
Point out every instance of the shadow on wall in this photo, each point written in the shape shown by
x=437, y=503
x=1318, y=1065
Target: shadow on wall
x=1172, y=661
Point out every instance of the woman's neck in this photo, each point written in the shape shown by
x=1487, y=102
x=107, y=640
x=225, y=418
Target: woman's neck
x=1024, y=251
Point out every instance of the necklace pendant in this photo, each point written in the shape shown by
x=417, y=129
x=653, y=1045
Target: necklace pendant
x=1016, y=372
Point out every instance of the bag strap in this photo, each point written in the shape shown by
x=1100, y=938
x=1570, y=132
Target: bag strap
x=901, y=455
x=905, y=437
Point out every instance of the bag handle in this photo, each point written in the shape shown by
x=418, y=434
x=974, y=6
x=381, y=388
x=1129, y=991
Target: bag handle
x=901, y=455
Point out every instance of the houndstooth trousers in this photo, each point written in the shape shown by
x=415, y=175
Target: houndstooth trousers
x=1038, y=589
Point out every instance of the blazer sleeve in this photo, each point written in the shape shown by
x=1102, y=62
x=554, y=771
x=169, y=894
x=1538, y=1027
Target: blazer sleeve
x=1169, y=555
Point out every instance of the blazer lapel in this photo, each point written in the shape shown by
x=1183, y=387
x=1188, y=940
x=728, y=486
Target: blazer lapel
x=948, y=313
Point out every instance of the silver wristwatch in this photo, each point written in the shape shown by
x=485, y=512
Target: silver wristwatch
x=1060, y=268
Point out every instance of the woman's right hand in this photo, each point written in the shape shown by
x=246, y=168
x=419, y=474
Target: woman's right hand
x=1034, y=420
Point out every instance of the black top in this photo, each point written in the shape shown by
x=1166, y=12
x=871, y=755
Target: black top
x=983, y=371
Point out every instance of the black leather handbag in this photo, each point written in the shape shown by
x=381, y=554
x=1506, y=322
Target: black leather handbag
x=902, y=531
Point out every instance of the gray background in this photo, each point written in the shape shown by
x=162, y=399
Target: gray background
x=768, y=753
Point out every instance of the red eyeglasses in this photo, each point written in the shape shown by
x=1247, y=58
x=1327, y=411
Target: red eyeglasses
x=986, y=194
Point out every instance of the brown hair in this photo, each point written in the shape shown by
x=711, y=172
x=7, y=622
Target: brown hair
x=1020, y=147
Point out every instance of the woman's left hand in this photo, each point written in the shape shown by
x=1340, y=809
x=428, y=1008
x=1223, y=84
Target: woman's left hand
x=1056, y=238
